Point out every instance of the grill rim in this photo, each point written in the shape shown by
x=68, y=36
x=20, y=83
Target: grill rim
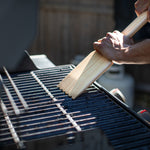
x=123, y=105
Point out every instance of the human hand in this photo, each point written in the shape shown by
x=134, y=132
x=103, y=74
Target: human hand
x=113, y=46
x=141, y=6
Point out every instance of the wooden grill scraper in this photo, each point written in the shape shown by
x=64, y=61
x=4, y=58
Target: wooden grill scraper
x=94, y=65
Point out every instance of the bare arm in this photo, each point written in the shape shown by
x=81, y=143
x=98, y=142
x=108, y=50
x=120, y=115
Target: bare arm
x=138, y=53
x=121, y=50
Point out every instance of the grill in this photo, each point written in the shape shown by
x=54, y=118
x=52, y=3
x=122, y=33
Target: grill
x=35, y=114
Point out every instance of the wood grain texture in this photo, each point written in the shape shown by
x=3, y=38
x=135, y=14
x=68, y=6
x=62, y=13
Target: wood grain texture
x=136, y=25
x=84, y=74
x=94, y=65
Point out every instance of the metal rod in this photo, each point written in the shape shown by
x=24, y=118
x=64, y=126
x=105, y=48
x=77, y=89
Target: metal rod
x=11, y=127
x=25, y=105
x=58, y=105
x=13, y=104
x=3, y=107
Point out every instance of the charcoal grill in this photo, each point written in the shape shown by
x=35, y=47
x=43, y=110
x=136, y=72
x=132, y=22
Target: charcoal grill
x=35, y=114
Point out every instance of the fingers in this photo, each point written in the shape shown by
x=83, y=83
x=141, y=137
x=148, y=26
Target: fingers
x=99, y=40
x=110, y=35
x=102, y=44
x=96, y=46
x=141, y=6
x=117, y=32
x=121, y=38
x=116, y=37
x=111, y=40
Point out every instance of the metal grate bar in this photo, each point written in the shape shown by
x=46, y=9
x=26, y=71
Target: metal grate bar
x=50, y=109
x=58, y=105
x=16, y=90
x=11, y=127
x=12, y=102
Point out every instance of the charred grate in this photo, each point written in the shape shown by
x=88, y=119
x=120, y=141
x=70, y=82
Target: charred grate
x=46, y=111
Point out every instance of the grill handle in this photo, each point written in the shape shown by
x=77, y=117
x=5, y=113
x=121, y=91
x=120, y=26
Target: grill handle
x=136, y=25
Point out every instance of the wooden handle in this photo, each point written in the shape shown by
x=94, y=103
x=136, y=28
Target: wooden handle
x=94, y=65
x=135, y=25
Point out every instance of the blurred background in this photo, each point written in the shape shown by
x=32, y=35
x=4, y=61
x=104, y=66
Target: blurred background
x=66, y=30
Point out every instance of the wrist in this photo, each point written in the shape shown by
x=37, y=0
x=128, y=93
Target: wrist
x=138, y=53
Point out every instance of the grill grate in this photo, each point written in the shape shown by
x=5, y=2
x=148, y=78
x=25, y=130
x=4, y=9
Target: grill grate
x=51, y=112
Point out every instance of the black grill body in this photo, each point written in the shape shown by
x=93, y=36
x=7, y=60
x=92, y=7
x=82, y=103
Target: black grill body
x=47, y=117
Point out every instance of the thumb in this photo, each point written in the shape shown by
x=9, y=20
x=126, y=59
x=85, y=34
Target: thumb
x=97, y=46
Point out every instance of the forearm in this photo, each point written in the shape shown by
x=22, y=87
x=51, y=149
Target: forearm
x=138, y=53
x=120, y=49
